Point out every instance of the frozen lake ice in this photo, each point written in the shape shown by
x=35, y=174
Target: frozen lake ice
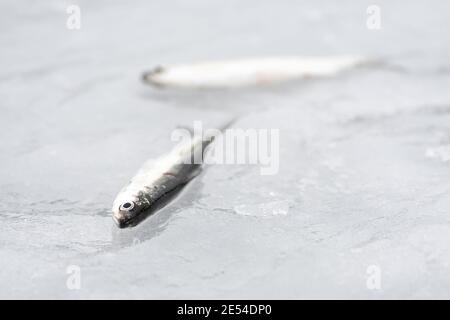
x=364, y=157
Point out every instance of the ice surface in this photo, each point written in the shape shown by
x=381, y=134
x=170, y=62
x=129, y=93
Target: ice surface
x=364, y=157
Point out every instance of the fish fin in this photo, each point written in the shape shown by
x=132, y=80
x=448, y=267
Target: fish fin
x=209, y=139
x=229, y=123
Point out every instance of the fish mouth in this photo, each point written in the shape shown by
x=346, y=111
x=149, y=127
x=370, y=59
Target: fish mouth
x=123, y=222
x=148, y=76
x=129, y=220
x=120, y=222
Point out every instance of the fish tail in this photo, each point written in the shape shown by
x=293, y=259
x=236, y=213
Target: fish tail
x=209, y=139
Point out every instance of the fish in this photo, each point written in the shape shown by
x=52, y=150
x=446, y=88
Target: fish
x=249, y=72
x=160, y=180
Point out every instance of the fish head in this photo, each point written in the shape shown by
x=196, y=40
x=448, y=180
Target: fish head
x=153, y=76
x=126, y=210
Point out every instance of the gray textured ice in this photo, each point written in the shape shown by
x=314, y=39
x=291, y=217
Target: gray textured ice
x=364, y=166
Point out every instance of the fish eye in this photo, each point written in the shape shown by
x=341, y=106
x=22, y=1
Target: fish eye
x=127, y=206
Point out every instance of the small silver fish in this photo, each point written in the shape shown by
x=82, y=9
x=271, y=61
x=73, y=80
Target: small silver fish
x=158, y=181
x=249, y=72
